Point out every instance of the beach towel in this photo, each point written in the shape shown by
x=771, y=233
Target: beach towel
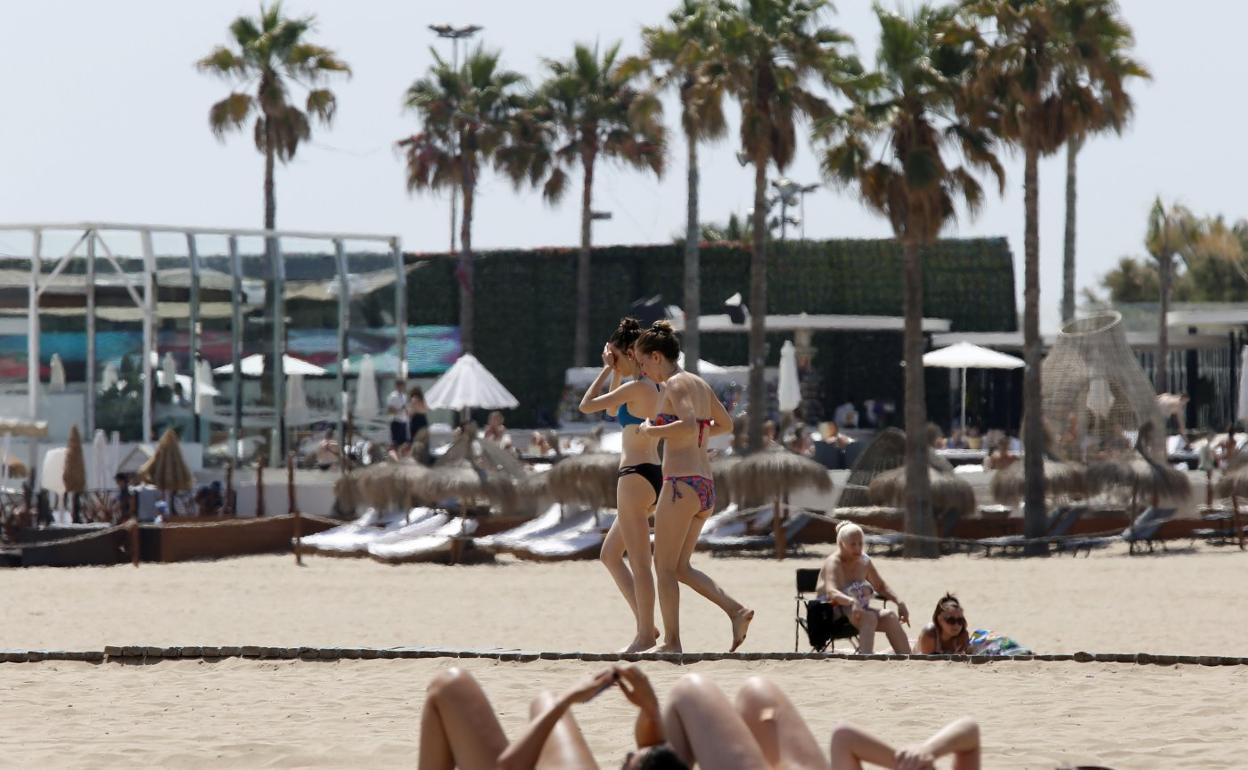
x=985, y=642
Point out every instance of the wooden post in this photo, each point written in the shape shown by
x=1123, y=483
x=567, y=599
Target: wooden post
x=1239, y=531
x=1208, y=488
x=297, y=522
x=777, y=529
x=259, y=488
x=134, y=539
x=228, y=503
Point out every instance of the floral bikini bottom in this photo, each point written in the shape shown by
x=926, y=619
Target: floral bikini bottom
x=701, y=484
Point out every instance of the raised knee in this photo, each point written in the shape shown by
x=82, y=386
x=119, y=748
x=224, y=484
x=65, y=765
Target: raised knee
x=843, y=736
x=450, y=679
x=757, y=692
x=687, y=687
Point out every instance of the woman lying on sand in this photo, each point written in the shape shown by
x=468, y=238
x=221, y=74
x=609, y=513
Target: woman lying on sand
x=849, y=579
x=762, y=731
x=949, y=633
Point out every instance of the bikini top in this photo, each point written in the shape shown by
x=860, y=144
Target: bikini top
x=627, y=418
x=667, y=419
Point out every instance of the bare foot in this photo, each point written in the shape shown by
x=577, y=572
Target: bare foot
x=640, y=643
x=666, y=647
x=740, y=627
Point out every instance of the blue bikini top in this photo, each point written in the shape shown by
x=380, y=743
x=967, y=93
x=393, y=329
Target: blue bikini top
x=626, y=418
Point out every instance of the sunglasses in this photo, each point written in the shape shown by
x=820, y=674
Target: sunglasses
x=953, y=620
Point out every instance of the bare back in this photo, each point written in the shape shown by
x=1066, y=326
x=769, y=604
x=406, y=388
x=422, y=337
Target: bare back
x=689, y=398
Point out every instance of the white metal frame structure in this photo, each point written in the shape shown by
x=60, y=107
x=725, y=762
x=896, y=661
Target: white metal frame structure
x=144, y=297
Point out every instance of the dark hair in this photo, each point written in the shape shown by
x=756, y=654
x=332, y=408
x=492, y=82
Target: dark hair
x=659, y=338
x=948, y=598
x=659, y=757
x=416, y=392
x=626, y=334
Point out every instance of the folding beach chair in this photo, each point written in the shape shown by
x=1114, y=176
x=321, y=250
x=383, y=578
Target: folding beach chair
x=824, y=623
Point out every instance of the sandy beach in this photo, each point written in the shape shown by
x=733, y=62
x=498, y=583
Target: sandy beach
x=242, y=713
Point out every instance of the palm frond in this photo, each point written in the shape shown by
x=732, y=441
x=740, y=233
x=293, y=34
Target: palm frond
x=229, y=114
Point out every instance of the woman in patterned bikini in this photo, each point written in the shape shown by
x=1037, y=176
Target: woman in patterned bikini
x=639, y=478
x=689, y=414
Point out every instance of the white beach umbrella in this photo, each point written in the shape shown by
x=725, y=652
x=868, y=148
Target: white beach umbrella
x=253, y=366
x=789, y=390
x=56, y=377
x=111, y=376
x=204, y=388
x=99, y=461
x=1241, y=411
x=964, y=355
x=296, y=401
x=169, y=370
x=367, y=404
x=468, y=384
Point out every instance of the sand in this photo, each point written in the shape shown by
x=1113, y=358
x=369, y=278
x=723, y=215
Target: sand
x=364, y=713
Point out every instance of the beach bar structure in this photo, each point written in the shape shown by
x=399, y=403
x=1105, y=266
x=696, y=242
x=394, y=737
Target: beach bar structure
x=94, y=241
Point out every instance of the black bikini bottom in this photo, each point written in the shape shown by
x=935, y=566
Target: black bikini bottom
x=648, y=471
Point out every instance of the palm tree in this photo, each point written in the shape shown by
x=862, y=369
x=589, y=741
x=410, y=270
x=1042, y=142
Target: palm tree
x=1033, y=53
x=465, y=114
x=272, y=52
x=1171, y=233
x=896, y=148
x=589, y=108
x=1090, y=111
x=683, y=52
x=768, y=51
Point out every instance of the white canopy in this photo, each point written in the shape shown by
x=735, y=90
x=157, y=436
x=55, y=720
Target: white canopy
x=253, y=366
x=468, y=384
x=1241, y=403
x=964, y=355
x=367, y=402
x=56, y=374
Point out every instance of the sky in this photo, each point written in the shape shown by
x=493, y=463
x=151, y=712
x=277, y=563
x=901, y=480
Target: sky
x=106, y=119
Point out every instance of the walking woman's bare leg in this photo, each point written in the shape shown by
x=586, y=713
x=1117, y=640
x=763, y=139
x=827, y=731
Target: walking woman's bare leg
x=458, y=728
x=702, y=726
x=779, y=730
x=634, y=497
x=565, y=748
x=671, y=524
x=705, y=585
x=612, y=557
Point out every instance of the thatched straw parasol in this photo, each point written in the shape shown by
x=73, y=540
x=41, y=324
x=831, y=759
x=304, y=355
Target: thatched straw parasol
x=1060, y=480
x=17, y=468
x=409, y=480
x=1234, y=484
x=725, y=482
x=166, y=469
x=885, y=452
x=949, y=492
x=16, y=426
x=1139, y=477
x=773, y=474
x=459, y=479
x=587, y=479
x=74, y=475
x=372, y=485
x=347, y=493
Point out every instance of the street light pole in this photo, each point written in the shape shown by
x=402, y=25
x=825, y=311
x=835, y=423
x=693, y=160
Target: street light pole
x=454, y=34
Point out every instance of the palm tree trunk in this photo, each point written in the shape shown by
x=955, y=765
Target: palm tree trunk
x=758, y=308
x=693, y=275
x=1034, y=514
x=466, y=302
x=270, y=199
x=1165, y=273
x=1068, y=257
x=270, y=286
x=917, y=513
x=580, y=352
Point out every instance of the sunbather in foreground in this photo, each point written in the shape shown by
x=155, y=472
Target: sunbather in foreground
x=851, y=748
x=763, y=731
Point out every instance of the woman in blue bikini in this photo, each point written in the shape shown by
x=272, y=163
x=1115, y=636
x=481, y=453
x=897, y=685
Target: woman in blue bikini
x=689, y=414
x=639, y=478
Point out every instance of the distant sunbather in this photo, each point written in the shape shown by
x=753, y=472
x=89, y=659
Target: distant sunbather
x=852, y=747
x=850, y=580
x=949, y=633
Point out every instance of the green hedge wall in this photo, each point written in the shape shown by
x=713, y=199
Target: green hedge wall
x=526, y=305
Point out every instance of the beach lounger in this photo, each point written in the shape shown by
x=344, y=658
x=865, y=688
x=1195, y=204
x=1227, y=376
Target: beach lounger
x=558, y=518
x=354, y=538
x=1143, y=530
x=583, y=541
x=823, y=623
x=722, y=544
x=449, y=543
x=1059, y=526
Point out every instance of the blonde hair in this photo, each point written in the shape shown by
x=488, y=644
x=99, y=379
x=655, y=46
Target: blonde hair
x=846, y=530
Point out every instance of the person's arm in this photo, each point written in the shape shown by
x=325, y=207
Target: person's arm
x=648, y=729
x=927, y=641
x=721, y=421
x=826, y=589
x=524, y=752
x=960, y=737
x=680, y=401
x=882, y=589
